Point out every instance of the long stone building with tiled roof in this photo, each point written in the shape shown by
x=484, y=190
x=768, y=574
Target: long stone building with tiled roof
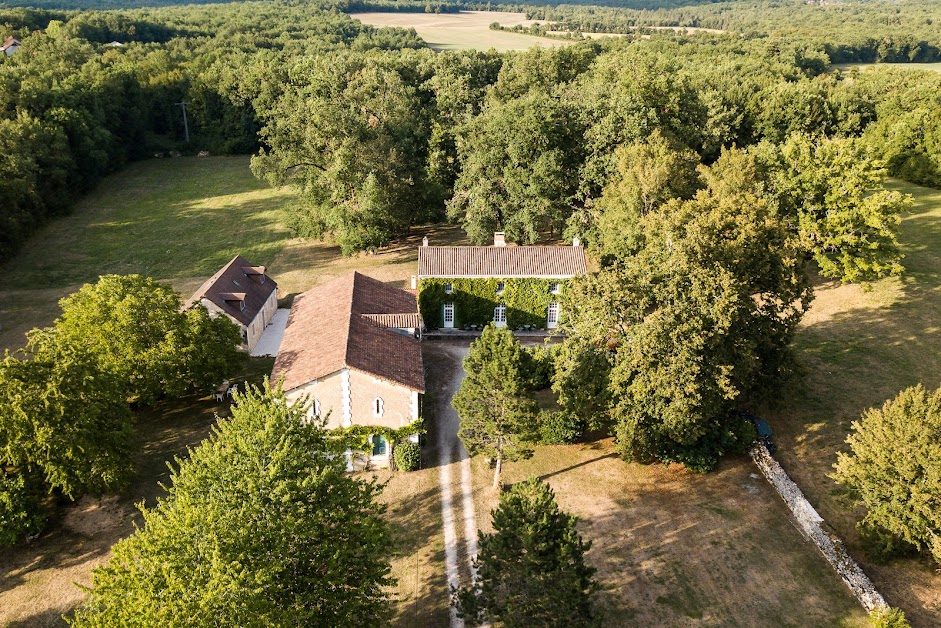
x=516, y=286
x=351, y=349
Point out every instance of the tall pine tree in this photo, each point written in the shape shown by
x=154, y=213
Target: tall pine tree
x=531, y=571
x=497, y=411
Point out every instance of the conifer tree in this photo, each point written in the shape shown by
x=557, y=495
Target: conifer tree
x=531, y=570
x=894, y=470
x=497, y=411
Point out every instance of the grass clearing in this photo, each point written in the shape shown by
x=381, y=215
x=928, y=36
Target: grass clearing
x=859, y=346
x=680, y=549
x=179, y=220
x=463, y=31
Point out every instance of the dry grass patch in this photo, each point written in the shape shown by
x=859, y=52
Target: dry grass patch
x=859, y=346
x=414, y=512
x=681, y=549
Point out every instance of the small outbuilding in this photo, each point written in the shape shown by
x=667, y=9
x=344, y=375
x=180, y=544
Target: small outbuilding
x=244, y=293
x=10, y=45
x=352, y=349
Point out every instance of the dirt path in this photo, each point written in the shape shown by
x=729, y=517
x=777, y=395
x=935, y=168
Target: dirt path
x=443, y=360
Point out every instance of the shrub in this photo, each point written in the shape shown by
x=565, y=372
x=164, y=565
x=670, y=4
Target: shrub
x=559, y=428
x=888, y=618
x=892, y=470
x=407, y=456
x=21, y=511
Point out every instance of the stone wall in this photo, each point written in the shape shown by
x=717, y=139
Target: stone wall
x=811, y=525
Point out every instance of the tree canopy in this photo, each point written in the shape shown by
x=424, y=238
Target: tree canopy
x=893, y=469
x=261, y=526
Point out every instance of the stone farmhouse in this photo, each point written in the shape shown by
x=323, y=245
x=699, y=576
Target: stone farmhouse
x=516, y=286
x=244, y=293
x=351, y=348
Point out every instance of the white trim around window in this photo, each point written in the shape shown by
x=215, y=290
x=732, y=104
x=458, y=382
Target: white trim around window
x=378, y=407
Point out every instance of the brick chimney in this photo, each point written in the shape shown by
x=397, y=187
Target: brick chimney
x=499, y=238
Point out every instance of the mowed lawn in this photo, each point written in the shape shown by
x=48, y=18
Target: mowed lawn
x=179, y=220
x=464, y=30
x=674, y=548
x=859, y=346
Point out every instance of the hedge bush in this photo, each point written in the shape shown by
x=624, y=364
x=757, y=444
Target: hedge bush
x=407, y=456
x=526, y=299
x=559, y=428
x=21, y=511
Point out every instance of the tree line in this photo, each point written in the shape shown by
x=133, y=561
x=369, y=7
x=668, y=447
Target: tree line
x=378, y=133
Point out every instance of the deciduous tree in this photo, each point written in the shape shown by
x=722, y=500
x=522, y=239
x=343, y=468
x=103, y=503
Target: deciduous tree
x=132, y=328
x=261, y=526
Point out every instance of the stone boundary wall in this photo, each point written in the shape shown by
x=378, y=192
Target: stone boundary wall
x=811, y=526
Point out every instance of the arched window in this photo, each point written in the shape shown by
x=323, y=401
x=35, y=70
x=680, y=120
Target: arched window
x=317, y=407
x=377, y=407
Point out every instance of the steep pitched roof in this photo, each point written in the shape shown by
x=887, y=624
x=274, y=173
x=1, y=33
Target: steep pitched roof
x=501, y=261
x=341, y=324
x=237, y=282
x=10, y=41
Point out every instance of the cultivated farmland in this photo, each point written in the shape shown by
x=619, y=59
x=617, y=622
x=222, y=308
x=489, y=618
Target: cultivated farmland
x=464, y=30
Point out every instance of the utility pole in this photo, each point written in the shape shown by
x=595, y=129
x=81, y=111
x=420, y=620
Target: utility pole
x=186, y=126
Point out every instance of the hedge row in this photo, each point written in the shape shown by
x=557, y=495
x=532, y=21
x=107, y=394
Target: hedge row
x=527, y=300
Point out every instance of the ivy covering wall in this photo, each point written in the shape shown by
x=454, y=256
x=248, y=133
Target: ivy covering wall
x=527, y=300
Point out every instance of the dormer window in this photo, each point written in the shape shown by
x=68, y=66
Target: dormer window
x=554, y=288
x=448, y=288
x=501, y=286
x=242, y=305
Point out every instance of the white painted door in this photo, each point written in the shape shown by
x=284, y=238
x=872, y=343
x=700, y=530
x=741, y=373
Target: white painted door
x=499, y=316
x=448, y=315
x=552, y=316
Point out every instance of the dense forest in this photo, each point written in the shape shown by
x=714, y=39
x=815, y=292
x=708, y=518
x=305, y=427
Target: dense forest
x=421, y=132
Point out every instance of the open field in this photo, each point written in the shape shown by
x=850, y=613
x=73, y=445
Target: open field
x=674, y=548
x=859, y=347
x=179, y=220
x=464, y=30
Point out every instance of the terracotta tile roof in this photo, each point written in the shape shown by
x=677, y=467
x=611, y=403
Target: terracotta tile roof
x=501, y=261
x=10, y=41
x=340, y=325
x=237, y=282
